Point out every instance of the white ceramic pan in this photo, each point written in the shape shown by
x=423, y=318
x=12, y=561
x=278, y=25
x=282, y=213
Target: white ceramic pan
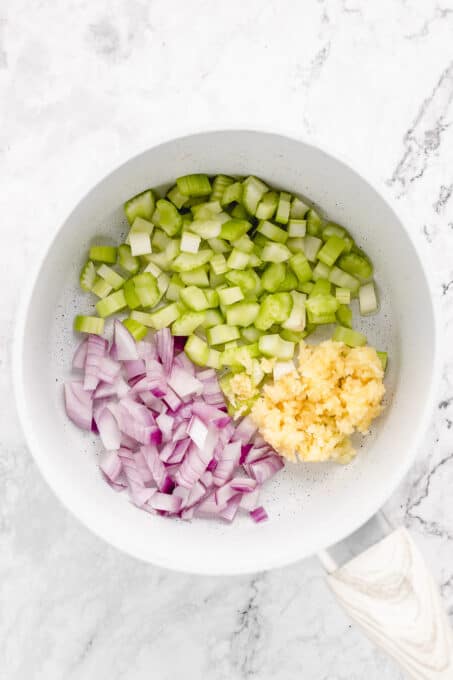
x=311, y=507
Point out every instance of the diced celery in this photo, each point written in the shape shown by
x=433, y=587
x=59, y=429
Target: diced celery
x=146, y=289
x=212, y=317
x=218, y=245
x=187, y=261
x=254, y=260
x=247, y=280
x=292, y=336
x=245, y=244
x=140, y=224
x=228, y=296
x=312, y=244
x=251, y=334
x=283, y=208
x=187, y=323
x=383, y=357
x=105, y=254
x=253, y=190
x=137, y=330
x=306, y=287
x=296, y=245
x=239, y=212
x=321, y=271
x=206, y=211
x=111, y=304
x=168, y=217
x=160, y=240
x=173, y=290
x=220, y=183
x=242, y=313
x=87, y=276
x=343, y=279
x=349, y=244
x=332, y=229
x=176, y=197
x=144, y=318
x=331, y=250
x=297, y=228
x=89, y=324
x=321, y=287
x=357, y=265
x=344, y=316
x=275, y=347
x=218, y=264
x=234, y=229
x=300, y=266
x=273, y=276
x=212, y=296
x=101, y=288
x=206, y=228
x=197, y=350
x=343, y=295
x=314, y=222
x=232, y=194
x=289, y=283
x=194, y=185
x=275, y=252
x=272, y=232
x=321, y=309
x=216, y=280
x=110, y=275
x=274, y=309
x=349, y=337
x=194, y=298
x=190, y=243
x=126, y=260
x=141, y=205
x=368, y=303
x=163, y=317
x=298, y=209
x=296, y=319
x=196, y=277
x=130, y=295
x=267, y=206
x=163, y=281
x=217, y=335
x=237, y=259
x=140, y=243
x=153, y=269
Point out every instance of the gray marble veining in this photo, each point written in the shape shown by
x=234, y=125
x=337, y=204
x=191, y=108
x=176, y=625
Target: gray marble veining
x=84, y=85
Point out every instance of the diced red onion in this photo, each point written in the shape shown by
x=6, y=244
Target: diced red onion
x=259, y=514
x=79, y=405
x=80, y=355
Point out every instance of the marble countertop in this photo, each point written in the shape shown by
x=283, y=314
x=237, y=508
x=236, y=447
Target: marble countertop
x=84, y=85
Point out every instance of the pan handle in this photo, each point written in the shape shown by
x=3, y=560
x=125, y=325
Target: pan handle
x=389, y=591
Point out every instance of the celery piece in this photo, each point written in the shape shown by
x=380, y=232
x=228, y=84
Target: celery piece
x=216, y=280
x=105, y=254
x=244, y=243
x=343, y=279
x=333, y=229
x=312, y=244
x=141, y=205
x=87, y=276
x=187, y=323
x=232, y=194
x=283, y=208
x=131, y=297
x=321, y=287
x=321, y=271
x=214, y=359
x=321, y=305
x=136, y=329
x=220, y=183
x=206, y=211
x=357, y=265
x=237, y=259
x=110, y=275
x=296, y=319
x=168, y=218
x=368, y=303
x=187, y=261
x=228, y=296
x=292, y=336
x=196, y=277
x=89, y=324
x=275, y=347
x=273, y=276
x=267, y=206
x=242, y=313
x=247, y=280
x=153, y=269
x=289, y=283
x=250, y=333
x=160, y=240
x=163, y=281
x=217, y=335
x=140, y=224
x=144, y=318
x=253, y=190
x=320, y=319
x=218, y=264
x=331, y=250
x=218, y=245
x=146, y=289
x=275, y=252
x=297, y=228
x=306, y=287
x=212, y=297
x=239, y=212
x=260, y=241
x=343, y=295
x=234, y=229
x=254, y=260
x=344, y=316
x=194, y=298
x=163, y=317
x=101, y=288
x=314, y=222
x=174, y=288
x=349, y=337
x=300, y=266
x=272, y=232
x=212, y=317
x=140, y=243
x=176, y=197
x=111, y=304
x=296, y=245
x=197, y=350
x=190, y=243
x=194, y=185
x=298, y=209
x=274, y=309
x=206, y=228
x=383, y=357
